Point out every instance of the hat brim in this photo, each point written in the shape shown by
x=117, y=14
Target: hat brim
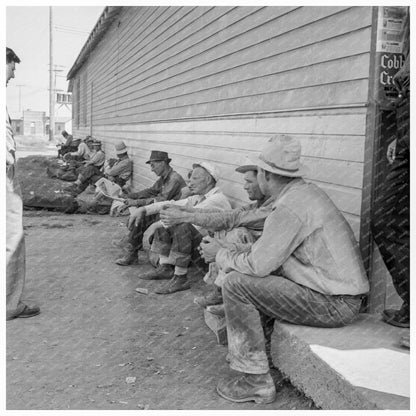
x=302, y=171
x=246, y=168
x=159, y=160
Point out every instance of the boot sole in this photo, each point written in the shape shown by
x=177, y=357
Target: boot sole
x=256, y=399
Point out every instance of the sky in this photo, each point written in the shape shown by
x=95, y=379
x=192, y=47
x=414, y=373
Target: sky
x=27, y=33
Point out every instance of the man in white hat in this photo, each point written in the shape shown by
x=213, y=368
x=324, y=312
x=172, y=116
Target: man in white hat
x=175, y=245
x=237, y=228
x=119, y=170
x=305, y=269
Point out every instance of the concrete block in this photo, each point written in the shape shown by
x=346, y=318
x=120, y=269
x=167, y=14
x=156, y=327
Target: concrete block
x=309, y=373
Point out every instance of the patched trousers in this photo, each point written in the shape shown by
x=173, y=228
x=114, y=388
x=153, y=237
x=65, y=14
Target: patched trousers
x=177, y=242
x=251, y=301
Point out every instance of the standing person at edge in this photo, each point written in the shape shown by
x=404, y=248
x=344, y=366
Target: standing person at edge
x=391, y=219
x=15, y=241
x=305, y=269
x=167, y=187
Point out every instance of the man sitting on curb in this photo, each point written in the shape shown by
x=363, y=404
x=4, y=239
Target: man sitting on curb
x=166, y=188
x=305, y=269
x=91, y=172
x=176, y=244
x=237, y=228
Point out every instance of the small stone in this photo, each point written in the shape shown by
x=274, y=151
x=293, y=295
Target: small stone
x=149, y=358
x=142, y=290
x=130, y=380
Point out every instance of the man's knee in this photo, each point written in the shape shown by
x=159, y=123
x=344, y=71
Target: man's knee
x=232, y=281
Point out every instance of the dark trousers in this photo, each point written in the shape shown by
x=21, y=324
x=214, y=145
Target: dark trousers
x=391, y=217
x=135, y=237
x=177, y=242
x=89, y=174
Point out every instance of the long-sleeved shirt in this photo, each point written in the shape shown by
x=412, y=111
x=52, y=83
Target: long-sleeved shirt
x=213, y=199
x=10, y=149
x=165, y=188
x=122, y=168
x=307, y=240
x=251, y=216
x=83, y=151
x=97, y=159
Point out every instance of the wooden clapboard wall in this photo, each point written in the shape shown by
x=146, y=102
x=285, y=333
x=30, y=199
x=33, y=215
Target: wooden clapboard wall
x=213, y=83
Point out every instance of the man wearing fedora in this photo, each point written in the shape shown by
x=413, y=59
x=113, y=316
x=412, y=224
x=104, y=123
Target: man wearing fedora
x=91, y=171
x=305, y=269
x=175, y=245
x=167, y=187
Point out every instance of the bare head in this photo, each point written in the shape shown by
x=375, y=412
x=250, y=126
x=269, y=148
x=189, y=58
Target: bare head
x=11, y=60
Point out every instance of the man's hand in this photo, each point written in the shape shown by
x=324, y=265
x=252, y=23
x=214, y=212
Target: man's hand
x=136, y=217
x=391, y=151
x=172, y=215
x=148, y=234
x=209, y=248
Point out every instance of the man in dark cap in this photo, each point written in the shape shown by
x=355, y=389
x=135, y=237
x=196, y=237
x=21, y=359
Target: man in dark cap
x=15, y=238
x=166, y=188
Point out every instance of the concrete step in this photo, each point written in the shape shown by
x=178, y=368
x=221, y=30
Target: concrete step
x=360, y=366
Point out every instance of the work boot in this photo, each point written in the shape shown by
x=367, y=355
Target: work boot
x=176, y=284
x=129, y=258
x=396, y=317
x=213, y=298
x=248, y=387
x=162, y=272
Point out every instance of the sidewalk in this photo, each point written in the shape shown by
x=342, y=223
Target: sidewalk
x=95, y=330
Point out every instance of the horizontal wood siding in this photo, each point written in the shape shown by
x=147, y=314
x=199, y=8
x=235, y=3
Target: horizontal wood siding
x=213, y=83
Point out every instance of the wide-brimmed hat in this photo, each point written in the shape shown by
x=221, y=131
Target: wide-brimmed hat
x=210, y=168
x=158, y=155
x=281, y=155
x=87, y=139
x=120, y=148
x=246, y=167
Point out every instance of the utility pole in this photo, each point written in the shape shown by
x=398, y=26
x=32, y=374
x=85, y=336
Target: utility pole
x=20, y=95
x=51, y=79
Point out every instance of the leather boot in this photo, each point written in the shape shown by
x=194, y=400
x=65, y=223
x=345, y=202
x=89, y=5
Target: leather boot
x=163, y=271
x=131, y=257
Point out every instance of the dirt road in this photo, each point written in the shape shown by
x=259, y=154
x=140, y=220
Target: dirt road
x=95, y=331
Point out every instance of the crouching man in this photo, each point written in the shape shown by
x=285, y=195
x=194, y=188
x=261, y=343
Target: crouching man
x=305, y=269
x=176, y=244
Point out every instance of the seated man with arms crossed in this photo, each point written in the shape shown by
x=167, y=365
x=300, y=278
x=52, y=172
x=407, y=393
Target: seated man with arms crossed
x=176, y=244
x=305, y=269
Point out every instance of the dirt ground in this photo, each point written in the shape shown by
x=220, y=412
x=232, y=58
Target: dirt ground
x=99, y=344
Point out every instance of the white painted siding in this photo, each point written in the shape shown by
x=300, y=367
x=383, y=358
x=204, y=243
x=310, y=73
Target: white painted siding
x=214, y=83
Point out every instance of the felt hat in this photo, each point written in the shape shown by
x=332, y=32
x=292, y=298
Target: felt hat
x=246, y=167
x=158, y=155
x=281, y=155
x=210, y=168
x=96, y=142
x=120, y=148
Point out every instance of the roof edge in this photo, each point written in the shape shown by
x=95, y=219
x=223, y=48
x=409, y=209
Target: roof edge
x=103, y=23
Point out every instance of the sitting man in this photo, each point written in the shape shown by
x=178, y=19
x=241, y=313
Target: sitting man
x=167, y=187
x=82, y=154
x=90, y=172
x=119, y=170
x=70, y=144
x=176, y=244
x=237, y=228
x=305, y=269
